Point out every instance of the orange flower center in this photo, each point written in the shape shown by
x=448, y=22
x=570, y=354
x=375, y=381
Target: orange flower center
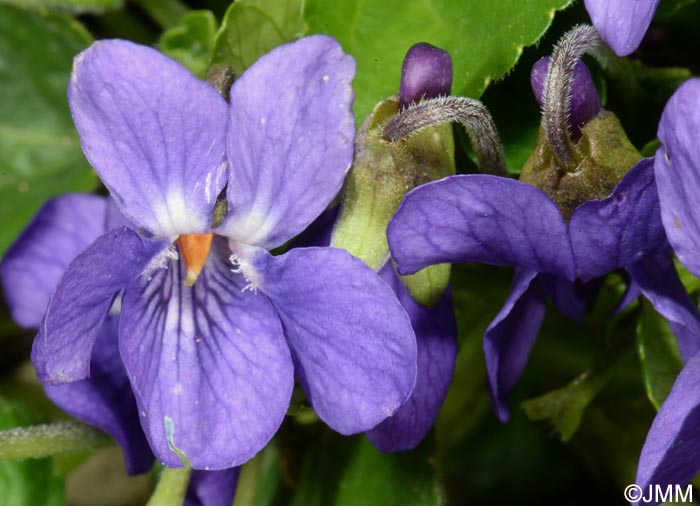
x=194, y=249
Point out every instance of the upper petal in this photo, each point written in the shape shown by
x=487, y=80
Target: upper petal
x=290, y=140
x=436, y=339
x=209, y=364
x=153, y=132
x=76, y=310
x=671, y=452
x=31, y=268
x=106, y=400
x=619, y=230
x=677, y=172
x=621, y=23
x=480, y=218
x=511, y=336
x=352, y=342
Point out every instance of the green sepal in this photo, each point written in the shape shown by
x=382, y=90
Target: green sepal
x=603, y=156
x=381, y=174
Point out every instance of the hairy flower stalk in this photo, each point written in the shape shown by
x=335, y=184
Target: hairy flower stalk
x=470, y=113
x=580, y=40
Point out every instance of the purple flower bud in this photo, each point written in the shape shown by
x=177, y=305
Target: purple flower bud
x=426, y=73
x=585, y=102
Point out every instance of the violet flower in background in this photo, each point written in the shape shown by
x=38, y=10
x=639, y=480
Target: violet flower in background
x=621, y=23
x=211, y=340
x=29, y=272
x=671, y=453
x=500, y=221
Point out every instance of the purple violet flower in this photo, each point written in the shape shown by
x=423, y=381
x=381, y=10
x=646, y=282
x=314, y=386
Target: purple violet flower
x=621, y=23
x=29, y=272
x=500, y=221
x=211, y=338
x=671, y=453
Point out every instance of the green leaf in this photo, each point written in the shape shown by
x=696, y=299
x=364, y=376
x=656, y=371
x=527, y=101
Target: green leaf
x=670, y=7
x=564, y=407
x=658, y=353
x=41, y=155
x=192, y=41
x=485, y=39
x=73, y=6
x=252, y=28
x=397, y=479
x=29, y=481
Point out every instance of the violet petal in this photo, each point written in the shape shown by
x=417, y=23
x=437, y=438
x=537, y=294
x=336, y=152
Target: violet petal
x=153, y=132
x=511, y=335
x=621, y=229
x=480, y=218
x=671, y=452
x=290, y=140
x=105, y=400
x=621, y=23
x=353, y=346
x=212, y=488
x=31, y=268
x=658, y=280
x=436, y=338
x=83, y=297
x=677, y=172
x=209, y=365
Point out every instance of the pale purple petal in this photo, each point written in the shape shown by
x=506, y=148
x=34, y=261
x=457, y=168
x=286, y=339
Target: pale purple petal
x=671, y=452
x=31, y=268
x=620, y=229
x=84, y=295
x=658, y=280
x=585, y=101
x=480, y=218
x=153, y=132
x=677, y=171
x=436, y=339
x=511, y=336
x=621, y=23
x=209, y=364
x=105, y=400
x=426, y=73
x=290, y=140
x=212, y=488
x=352, y=342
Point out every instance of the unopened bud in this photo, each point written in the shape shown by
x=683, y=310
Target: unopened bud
x=584, y=101
x=426, y=73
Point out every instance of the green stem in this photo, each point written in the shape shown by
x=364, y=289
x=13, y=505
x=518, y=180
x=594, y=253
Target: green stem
x=171, y=487
x=45, y=440
x=167, y=13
